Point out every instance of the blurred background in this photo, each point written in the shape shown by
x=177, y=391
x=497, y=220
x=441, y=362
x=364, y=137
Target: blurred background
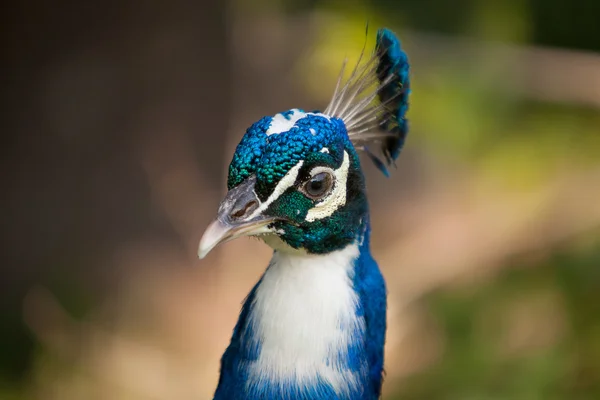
x=119, y=119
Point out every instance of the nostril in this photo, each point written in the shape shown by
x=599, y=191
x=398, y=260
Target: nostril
x=243, y=211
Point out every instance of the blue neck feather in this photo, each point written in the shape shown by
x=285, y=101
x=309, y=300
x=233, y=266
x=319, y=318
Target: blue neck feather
x=361, y=357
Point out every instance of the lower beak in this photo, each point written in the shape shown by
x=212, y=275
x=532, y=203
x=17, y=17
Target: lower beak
x=220, y=232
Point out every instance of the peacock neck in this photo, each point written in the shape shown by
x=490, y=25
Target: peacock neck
x=312, y=328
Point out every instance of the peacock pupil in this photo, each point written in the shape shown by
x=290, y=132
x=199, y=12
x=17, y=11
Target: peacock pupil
x=318, y=185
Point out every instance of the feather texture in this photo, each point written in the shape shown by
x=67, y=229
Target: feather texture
x=374, y=100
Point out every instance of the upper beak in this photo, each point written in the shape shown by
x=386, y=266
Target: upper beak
x=238, y=216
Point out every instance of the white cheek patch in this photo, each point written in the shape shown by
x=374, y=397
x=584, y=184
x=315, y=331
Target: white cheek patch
x=337, y=197
x=324, y=150
x=284, y=184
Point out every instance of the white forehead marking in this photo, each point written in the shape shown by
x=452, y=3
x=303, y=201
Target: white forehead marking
x=282, y=123
x=286, y=182
x=324, y=150
x=336, y=198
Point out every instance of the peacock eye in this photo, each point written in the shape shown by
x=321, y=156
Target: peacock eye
x=318, y=186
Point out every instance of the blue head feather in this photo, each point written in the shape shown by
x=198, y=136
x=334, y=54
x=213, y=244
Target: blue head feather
x=273, y=145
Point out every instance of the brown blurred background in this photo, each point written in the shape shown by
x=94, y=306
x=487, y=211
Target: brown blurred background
x=119, y=119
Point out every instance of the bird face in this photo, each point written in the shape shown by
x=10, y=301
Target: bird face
x=295, y=181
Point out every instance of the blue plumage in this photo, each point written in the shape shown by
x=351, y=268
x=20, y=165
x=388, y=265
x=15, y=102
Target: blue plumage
x=369, y=283
x=393, y=62
x=314, y=325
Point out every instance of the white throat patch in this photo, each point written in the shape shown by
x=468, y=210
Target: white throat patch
x=304, y=317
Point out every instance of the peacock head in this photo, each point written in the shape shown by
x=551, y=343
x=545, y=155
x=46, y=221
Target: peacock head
x=296, y=180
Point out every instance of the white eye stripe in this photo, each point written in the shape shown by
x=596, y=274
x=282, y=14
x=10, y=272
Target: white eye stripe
x=284, y=184
x=325, y=207
x=337, y=197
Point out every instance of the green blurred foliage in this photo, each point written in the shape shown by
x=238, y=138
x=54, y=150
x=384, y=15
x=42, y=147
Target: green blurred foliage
x=562, y=23
x=476, y=321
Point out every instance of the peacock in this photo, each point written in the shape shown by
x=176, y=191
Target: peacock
x=314, y=325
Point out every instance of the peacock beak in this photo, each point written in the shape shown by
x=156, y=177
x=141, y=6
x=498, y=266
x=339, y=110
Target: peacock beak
x=239, y=215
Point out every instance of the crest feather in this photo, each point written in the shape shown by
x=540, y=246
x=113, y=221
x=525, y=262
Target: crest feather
x=374, y=100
